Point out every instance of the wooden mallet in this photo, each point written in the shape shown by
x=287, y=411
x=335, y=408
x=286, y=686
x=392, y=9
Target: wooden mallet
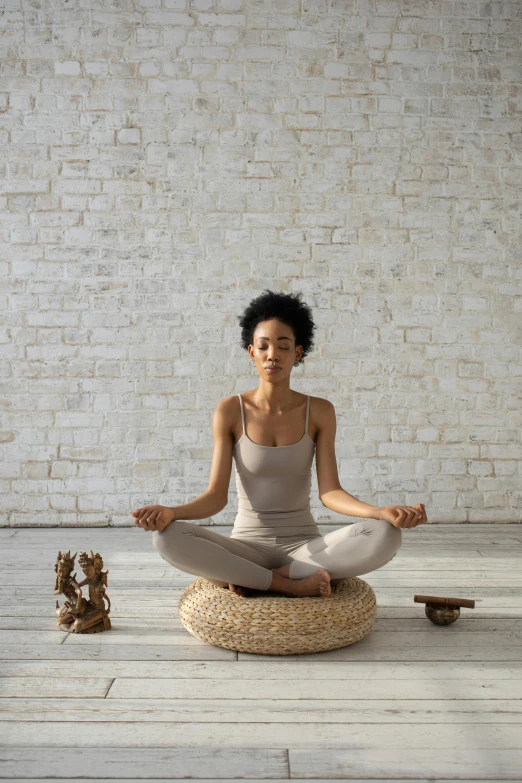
x=441, y=610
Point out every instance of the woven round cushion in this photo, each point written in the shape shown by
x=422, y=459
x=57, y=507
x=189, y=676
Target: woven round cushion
x=278, y=624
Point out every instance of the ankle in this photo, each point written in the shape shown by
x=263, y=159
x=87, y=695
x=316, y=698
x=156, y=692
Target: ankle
x=282, y=584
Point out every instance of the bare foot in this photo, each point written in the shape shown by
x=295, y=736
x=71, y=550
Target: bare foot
x=239, y=590
x=316, y=584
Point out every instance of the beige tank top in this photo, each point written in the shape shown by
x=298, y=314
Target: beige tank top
x=273, y=482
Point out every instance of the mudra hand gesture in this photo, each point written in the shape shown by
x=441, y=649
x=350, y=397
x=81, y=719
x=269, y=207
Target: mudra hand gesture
x=404, y=516
x=153, y=517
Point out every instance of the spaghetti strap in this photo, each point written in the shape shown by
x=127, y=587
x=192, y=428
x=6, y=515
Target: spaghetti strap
x=307, y=412
x=242, y=413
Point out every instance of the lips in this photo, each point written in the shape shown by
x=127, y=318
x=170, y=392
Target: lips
x=273, y=369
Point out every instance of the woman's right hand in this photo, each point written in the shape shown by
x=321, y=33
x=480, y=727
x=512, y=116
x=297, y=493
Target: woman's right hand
x=154, y=517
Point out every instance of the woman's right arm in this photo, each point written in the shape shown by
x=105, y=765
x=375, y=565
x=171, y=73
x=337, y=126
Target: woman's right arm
x=205, y=505
x=215, y=498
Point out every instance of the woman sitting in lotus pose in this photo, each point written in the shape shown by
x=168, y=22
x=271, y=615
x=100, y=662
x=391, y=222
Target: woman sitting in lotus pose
x=272, y=432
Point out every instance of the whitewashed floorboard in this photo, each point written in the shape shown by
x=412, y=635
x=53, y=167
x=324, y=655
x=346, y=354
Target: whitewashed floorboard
x=143, y=627
x=411, y=701
x=56, y=688
x=248, y=709
x=410, y=736
x=262, y=780
x=283, y=668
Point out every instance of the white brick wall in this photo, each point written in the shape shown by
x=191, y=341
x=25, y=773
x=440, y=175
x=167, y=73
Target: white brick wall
x=165, y=161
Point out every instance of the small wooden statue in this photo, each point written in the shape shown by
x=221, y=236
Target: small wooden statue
x=78, y=614
x=66, y=583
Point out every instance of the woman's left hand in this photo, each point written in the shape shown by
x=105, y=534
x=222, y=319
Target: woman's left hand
x=404, y=516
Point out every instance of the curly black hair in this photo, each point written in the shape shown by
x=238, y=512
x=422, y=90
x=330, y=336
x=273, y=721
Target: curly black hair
x=287, y=308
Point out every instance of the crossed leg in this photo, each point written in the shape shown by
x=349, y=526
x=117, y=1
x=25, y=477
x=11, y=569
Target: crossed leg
x=220, y=559
x=349, y=551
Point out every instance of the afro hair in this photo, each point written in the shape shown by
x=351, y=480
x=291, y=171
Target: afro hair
x=287, y=308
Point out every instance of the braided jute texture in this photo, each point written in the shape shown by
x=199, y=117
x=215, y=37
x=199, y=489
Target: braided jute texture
x=277, y=624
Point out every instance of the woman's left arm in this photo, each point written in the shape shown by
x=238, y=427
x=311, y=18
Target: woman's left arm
x=332, y=495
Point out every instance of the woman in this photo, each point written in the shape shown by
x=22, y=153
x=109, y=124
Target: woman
x=275, y=543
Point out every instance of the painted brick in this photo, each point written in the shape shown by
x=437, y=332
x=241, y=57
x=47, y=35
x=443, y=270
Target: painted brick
x=161, y=168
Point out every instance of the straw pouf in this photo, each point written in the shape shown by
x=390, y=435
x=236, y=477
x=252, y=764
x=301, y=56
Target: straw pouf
x=277, y=624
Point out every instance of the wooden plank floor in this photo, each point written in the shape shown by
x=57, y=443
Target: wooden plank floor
x=411, y=701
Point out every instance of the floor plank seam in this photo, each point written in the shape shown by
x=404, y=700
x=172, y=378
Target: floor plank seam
x=110, y=686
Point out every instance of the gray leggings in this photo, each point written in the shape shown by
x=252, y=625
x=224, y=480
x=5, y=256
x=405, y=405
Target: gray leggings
x=247, y=559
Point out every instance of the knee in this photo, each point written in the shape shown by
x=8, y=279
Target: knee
x=163, y=541
x=158, y=540
x=390, y=538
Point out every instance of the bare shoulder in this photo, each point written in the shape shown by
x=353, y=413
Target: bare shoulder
x=320, y=403
x=228, y=404
x=226, y=412
x=322, y=416
x=323, y=408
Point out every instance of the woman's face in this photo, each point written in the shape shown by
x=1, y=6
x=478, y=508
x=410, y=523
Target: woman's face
x=274, y=345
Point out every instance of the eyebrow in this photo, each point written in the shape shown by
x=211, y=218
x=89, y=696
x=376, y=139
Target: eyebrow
x=279, y=338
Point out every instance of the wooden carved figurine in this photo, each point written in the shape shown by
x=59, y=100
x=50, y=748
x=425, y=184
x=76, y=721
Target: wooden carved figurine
x=88, y=615
x=66, y=583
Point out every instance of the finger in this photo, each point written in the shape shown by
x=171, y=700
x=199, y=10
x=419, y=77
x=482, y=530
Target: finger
x=421, y=514
x=400, y=518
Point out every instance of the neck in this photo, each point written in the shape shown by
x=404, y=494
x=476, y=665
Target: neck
x=274, y=398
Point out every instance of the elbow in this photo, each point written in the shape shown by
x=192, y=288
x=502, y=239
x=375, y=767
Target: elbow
x=221, y=501
x=324, y=496
x=223, y=504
